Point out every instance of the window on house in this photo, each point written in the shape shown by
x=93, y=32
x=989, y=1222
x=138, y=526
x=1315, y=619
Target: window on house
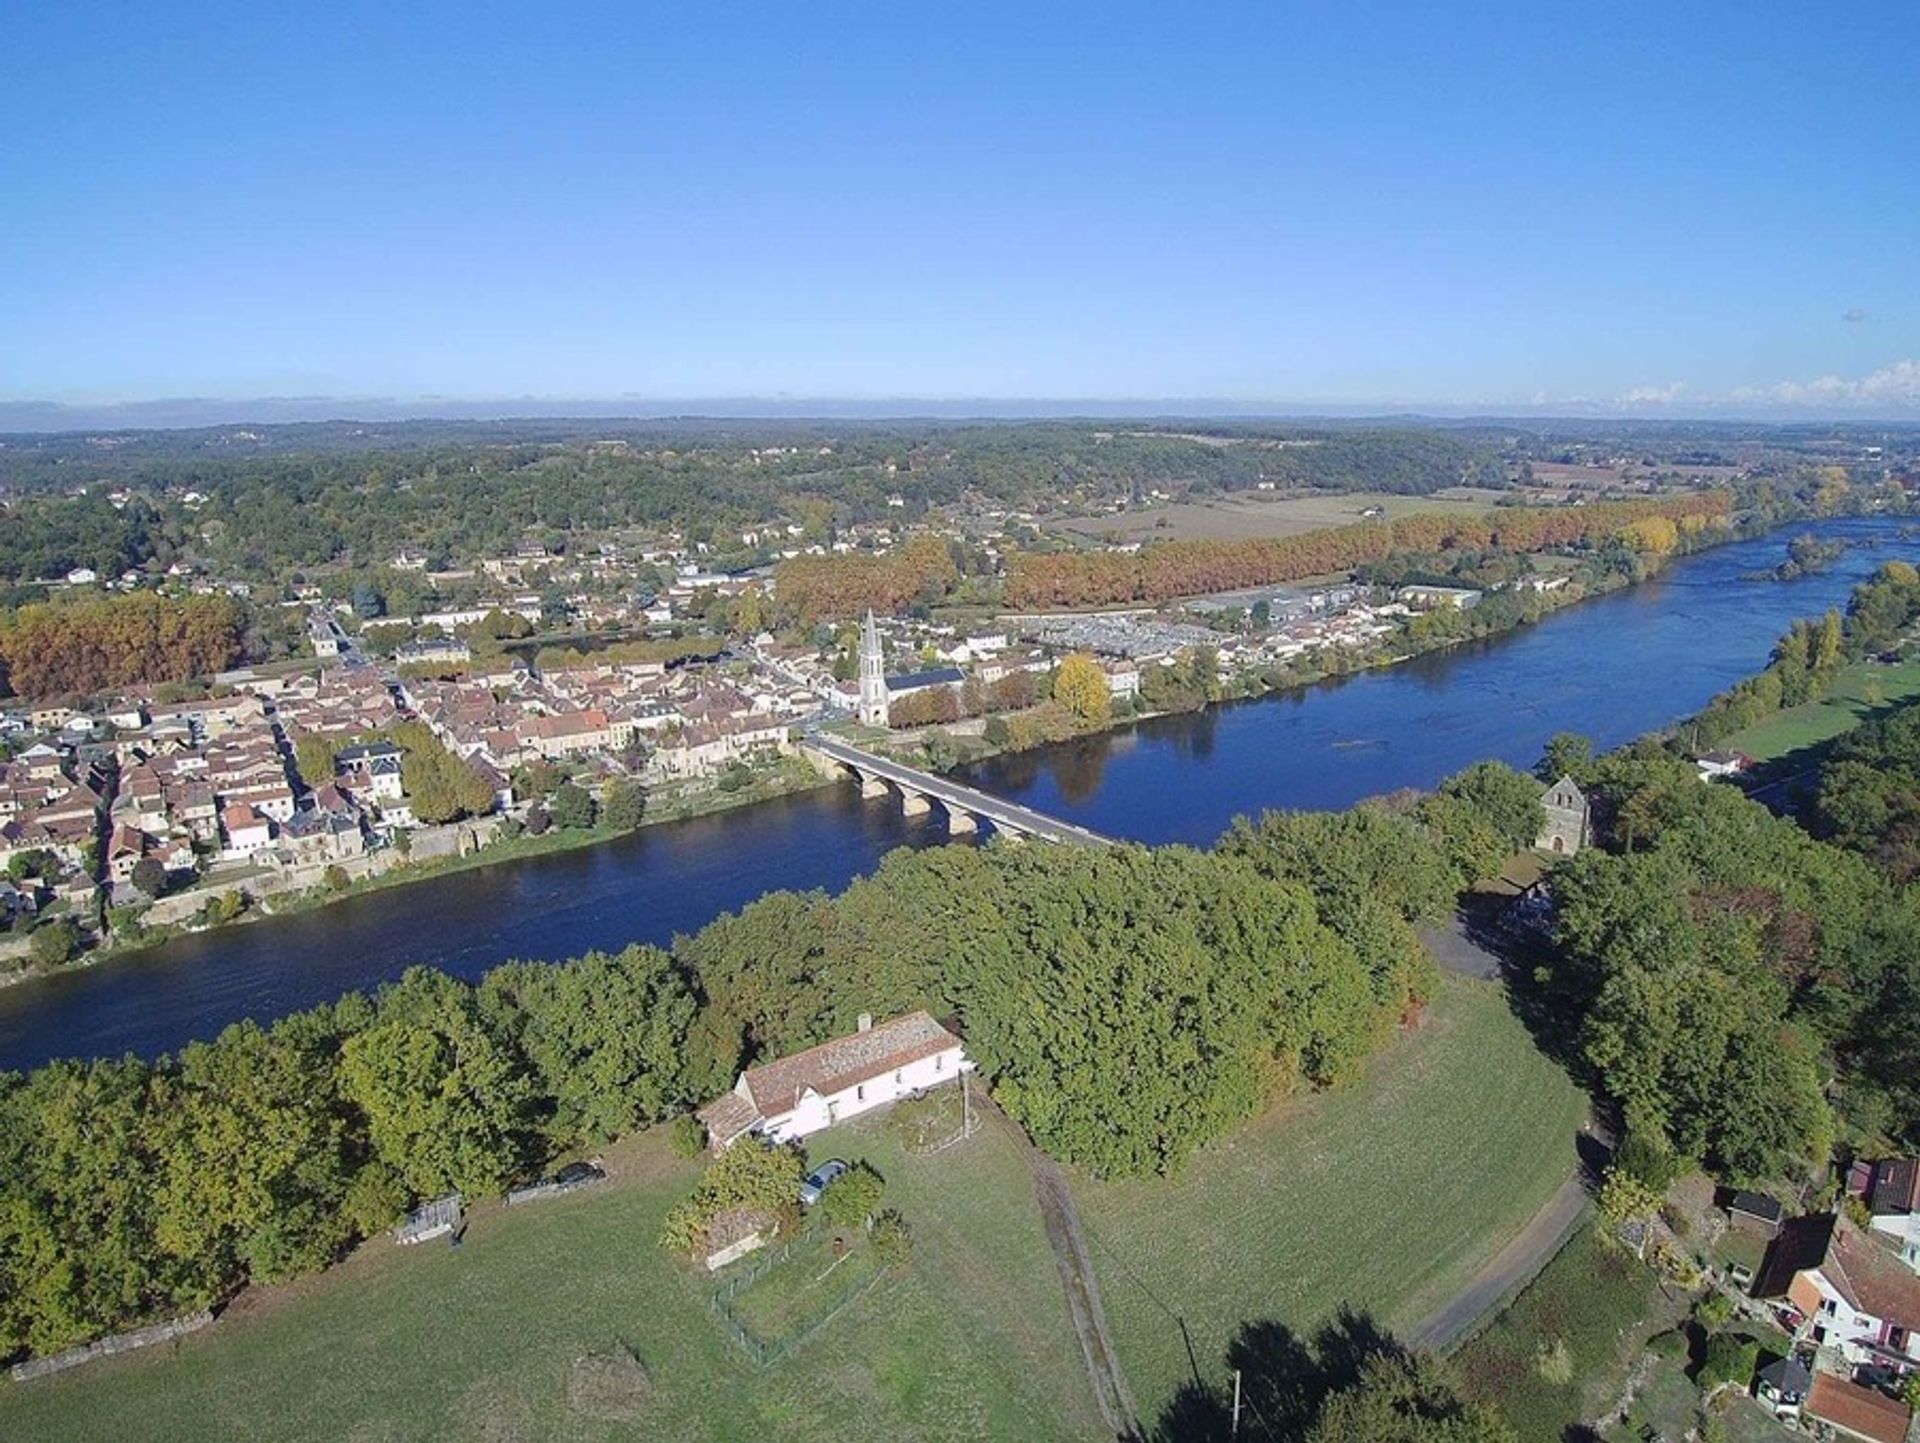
x=860, y=1093
x=898, y=1077
x=939, y=1063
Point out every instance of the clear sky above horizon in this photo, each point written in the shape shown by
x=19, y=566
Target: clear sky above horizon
x=1651, y=207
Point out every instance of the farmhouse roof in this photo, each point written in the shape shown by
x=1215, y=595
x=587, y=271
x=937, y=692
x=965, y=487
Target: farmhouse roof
x=1872, y=1277
x=1861, y=1412
x=1857, y=1266
x=847, y=1061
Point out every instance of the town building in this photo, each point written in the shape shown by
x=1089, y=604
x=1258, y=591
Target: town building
x=873, y=676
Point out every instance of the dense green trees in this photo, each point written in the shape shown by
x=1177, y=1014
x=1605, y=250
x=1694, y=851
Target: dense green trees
x=128, y=1190
x=1406, y=1399
x=1721, y=968
x=440, y=786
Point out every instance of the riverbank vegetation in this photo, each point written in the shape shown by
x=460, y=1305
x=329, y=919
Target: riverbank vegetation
x=1807, y=660
x=1129, y=1006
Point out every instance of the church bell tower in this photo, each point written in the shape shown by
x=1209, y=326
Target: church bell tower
x=873, y=676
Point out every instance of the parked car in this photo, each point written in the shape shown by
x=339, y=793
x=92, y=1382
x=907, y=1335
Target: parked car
x=818, y=1180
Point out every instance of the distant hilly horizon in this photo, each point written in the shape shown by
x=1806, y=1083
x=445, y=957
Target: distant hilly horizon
x=26, y=417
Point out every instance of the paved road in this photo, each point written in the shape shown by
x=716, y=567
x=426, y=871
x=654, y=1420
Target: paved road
x=1511, y=1269
x=1005, y=815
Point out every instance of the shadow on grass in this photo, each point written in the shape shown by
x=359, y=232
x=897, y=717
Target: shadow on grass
x=1284, y=1380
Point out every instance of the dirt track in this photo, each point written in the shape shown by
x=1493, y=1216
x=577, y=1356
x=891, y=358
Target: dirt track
x=1062, y=1221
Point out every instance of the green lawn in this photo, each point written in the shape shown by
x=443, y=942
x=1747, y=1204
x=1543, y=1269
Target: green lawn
x=1560, y=1352
x=1859, y=690
x=808, y=1282
x=403, y=1346
x=1385, y=1196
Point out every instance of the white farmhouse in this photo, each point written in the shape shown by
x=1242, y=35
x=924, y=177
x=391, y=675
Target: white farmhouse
x=809, y=1091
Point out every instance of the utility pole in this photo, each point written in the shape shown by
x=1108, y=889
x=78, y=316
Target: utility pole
x=1236, y=1403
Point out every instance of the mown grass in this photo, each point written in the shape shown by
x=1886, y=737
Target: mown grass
x=1860, y=689
x=1560, y=1352
x=806, y=1285
x=429, y=1343
x=1384, y=1197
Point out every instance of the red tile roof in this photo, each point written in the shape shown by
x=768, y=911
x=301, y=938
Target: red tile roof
x=1858, y=1411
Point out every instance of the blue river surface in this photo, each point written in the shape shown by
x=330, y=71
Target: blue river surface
x=1612, y=668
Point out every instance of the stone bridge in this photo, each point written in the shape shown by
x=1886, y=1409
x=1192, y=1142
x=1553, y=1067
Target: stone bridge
x=965, y=807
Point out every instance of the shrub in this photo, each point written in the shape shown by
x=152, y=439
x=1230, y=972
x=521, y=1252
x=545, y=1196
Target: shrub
x=54, y=943
x=337, y=879
x=892, y=1239
x=747, y=1175
x=1730, y=1358
x=853, y=1197
x=1715, y=1310
x=686, y=1136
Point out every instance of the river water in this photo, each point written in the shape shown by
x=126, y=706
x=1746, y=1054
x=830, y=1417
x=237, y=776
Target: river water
x=1612, y=668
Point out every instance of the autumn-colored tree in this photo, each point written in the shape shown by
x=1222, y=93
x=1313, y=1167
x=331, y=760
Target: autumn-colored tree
x=76, y=648
x=1082, y=688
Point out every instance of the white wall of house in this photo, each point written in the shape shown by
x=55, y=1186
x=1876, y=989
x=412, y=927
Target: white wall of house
x=816, y=1113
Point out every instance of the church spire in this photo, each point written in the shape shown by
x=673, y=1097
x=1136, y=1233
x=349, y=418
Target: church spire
x=873, y=675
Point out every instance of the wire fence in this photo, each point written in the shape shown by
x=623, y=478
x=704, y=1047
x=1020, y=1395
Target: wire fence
x=764, y=1351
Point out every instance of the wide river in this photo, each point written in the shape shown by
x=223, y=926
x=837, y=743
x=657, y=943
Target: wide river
x=1612, y=668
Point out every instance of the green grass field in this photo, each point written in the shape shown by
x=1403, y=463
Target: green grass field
x=1385, y=1197
x=1859, y=691
x=1238, y=517
x=402, y=1346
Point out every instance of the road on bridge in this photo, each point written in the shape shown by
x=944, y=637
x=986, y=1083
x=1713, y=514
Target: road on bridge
x=1006, y=816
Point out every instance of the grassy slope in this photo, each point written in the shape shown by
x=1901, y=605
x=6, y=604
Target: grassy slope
x=430, y=1343
x=1385, y=1197
x=1839, y=712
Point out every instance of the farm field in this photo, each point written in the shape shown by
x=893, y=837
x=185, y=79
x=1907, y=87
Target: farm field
x=1860, y=689
x=1383, y=1197
x=1238, y=517
x=409, y=1345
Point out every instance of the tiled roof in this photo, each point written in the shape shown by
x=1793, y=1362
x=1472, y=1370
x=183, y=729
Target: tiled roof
x=1896, y=1186
x=847, y=1061
x=1873, y=1277
x=1859, y=1411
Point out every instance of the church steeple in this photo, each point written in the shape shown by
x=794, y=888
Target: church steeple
x=873, y=676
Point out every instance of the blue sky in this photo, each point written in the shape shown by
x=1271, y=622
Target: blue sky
x=1655, y=207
